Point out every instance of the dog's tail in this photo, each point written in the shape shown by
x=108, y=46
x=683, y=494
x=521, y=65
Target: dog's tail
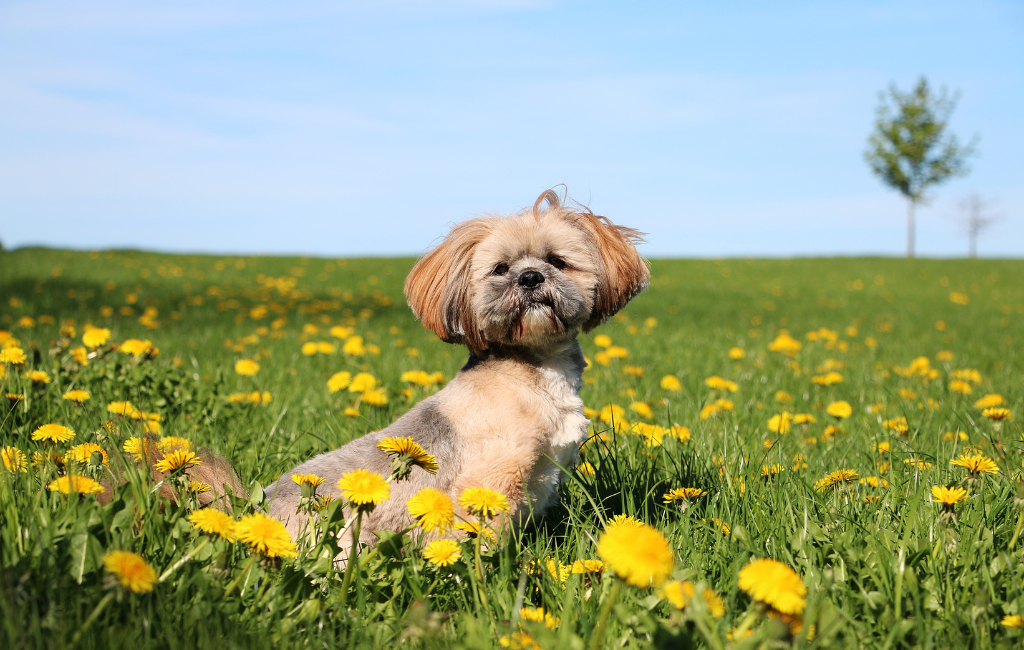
x=212, y=480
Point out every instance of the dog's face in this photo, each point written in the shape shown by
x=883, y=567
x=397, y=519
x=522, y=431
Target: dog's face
x=529, y=279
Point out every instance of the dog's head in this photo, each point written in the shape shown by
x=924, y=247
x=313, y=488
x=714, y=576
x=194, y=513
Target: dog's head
x=528, y=279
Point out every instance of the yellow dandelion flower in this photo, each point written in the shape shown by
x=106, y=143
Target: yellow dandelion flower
x=804, y=418
x=13, y=356
x=780, y=423
x=351, y=412
x=168, y=444
x=708, y=411
x=772, y=469
x=683, y=494
x=407, y=447
x=611, y=413
x=375, y=397
x=131, y=570
x=177, y=459
x=976, y=464
x=783, y=396
x=77, y=396
x=326, y=347
x=840, y=409
x=642, y=409
x=827, y=379
x=715, y=382
x=519, y=641
x=265, y=535
x=311, y=480
x=899, y=425
x=14, y=459
x=538, y=615
x=432, y=509
x=785, y=344
x=123, y=408
x=775, y=584
x=917, y=463
x=997, y=414
x=874, y=482
x=681, y=433
x=988, y=401
x=586, y=469
x=363, y=487
x=639, y=555
x=362, y=382
x=79, y=484
x=602, y=340
x=339, y=381
x=214, y=522
x=960, y=386
x=557, y=570
x=38, y=377
x=94, y=337
x=83, y=453
x=442, y=552
x=247, y=367
x=737, y=353
x=483, y=502
x=309, y=349
x=198, y=487
x=14, y=398
x=53, y=433
x=835, y=480
x=1013, y=620
x=136, y=347
x=354, y=346
x=948, y=496
x=624, y=521
x=587, y=566
x=671, y=383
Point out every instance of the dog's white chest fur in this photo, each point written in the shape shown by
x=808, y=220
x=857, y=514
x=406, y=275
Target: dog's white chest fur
x=566, y=428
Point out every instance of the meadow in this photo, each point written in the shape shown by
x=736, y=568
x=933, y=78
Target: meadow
x=849, y=431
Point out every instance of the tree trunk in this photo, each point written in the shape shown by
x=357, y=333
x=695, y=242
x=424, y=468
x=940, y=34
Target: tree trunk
x=910, y=228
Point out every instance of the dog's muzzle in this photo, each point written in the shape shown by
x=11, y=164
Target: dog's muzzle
x=531, y=279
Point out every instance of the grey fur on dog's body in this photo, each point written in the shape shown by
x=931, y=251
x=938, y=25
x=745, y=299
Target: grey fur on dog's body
x=516, y=290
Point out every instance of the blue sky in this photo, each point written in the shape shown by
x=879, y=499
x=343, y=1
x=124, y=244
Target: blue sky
x=348, y=128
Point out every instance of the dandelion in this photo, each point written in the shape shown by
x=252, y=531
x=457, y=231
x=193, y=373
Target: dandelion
x=176, y=460
x=94, y=337
x=624, y=521
x=1013, y=620
x=312, y=480
x=538, y=615
x=988, y=401
x=715, y=382
x=137, y=347
x=558, y=571
x=785, y=344
x=780, y=423
x=265, y=535
x=783, y=396
x=586, y=469
x=131, y=570
x=198, y=487
x=354, y=346
x=13, y=356
x=874, y=482
x=772, y=470
x=681, y=592
x=804, y=418
x=775, y=584
x=737, y=353
x=214, y=522
x=339, y=381
x=639, y=555
x=364, y=488
x=83, y=453
x=518, y=641
x=325, y=347
x=442, y=552
x=247, y=367
x=483, y=502
x=827, y=379
x=38, y=377
x=840, y=409
x=997, y=414
x=683, y=494
x=475, y=529
x=708, y=411
x=960, y=386
x=362, y=382
x=79, y=484
x=671, y=383
x=432, y=509
x=917, y=463
x=168, y=444
x=123, y=408
x=947, y=496
x=53, y=433
x=375, y=397
x=309, y=349
x=77, y=396
x=835, y=480
x=587, y=566
x=14, y=459
x=899, y=425
x=976, y=464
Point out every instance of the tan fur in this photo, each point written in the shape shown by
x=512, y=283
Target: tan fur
x=516, y=290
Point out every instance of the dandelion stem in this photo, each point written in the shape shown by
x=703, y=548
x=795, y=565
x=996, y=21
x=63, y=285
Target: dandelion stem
x=92, y=617
x=245, y=571
x=188, y=556
x=352, y=558
x=1016, y=532
x=606, y=610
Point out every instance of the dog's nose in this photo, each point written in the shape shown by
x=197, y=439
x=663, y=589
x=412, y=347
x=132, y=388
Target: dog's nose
x=530, y=279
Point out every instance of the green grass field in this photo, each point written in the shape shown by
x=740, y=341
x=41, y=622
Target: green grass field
x=883, y=565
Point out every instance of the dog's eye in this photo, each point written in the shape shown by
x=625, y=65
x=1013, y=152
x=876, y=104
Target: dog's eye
x=501, y=269
x=556, y=262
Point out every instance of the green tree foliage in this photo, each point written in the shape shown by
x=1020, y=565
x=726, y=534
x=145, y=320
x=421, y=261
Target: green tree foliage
x=910, y=149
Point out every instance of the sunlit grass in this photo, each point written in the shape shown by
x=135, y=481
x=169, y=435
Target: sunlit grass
x=845, y=500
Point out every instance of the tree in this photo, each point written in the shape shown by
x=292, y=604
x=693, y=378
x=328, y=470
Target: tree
x=976, y=217
x=909, y=148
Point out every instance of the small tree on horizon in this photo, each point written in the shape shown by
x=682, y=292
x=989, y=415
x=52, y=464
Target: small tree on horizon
x=977, y=216
x=909, y=148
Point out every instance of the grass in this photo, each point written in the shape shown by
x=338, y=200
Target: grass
x=895, y=570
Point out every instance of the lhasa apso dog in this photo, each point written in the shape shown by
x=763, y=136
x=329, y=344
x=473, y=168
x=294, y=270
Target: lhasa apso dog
x=516, y=290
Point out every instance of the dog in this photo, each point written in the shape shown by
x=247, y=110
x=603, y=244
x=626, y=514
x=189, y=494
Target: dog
x=516, y=291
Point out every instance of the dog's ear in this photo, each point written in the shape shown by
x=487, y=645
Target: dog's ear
x=438, y=287
x=625, y=272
